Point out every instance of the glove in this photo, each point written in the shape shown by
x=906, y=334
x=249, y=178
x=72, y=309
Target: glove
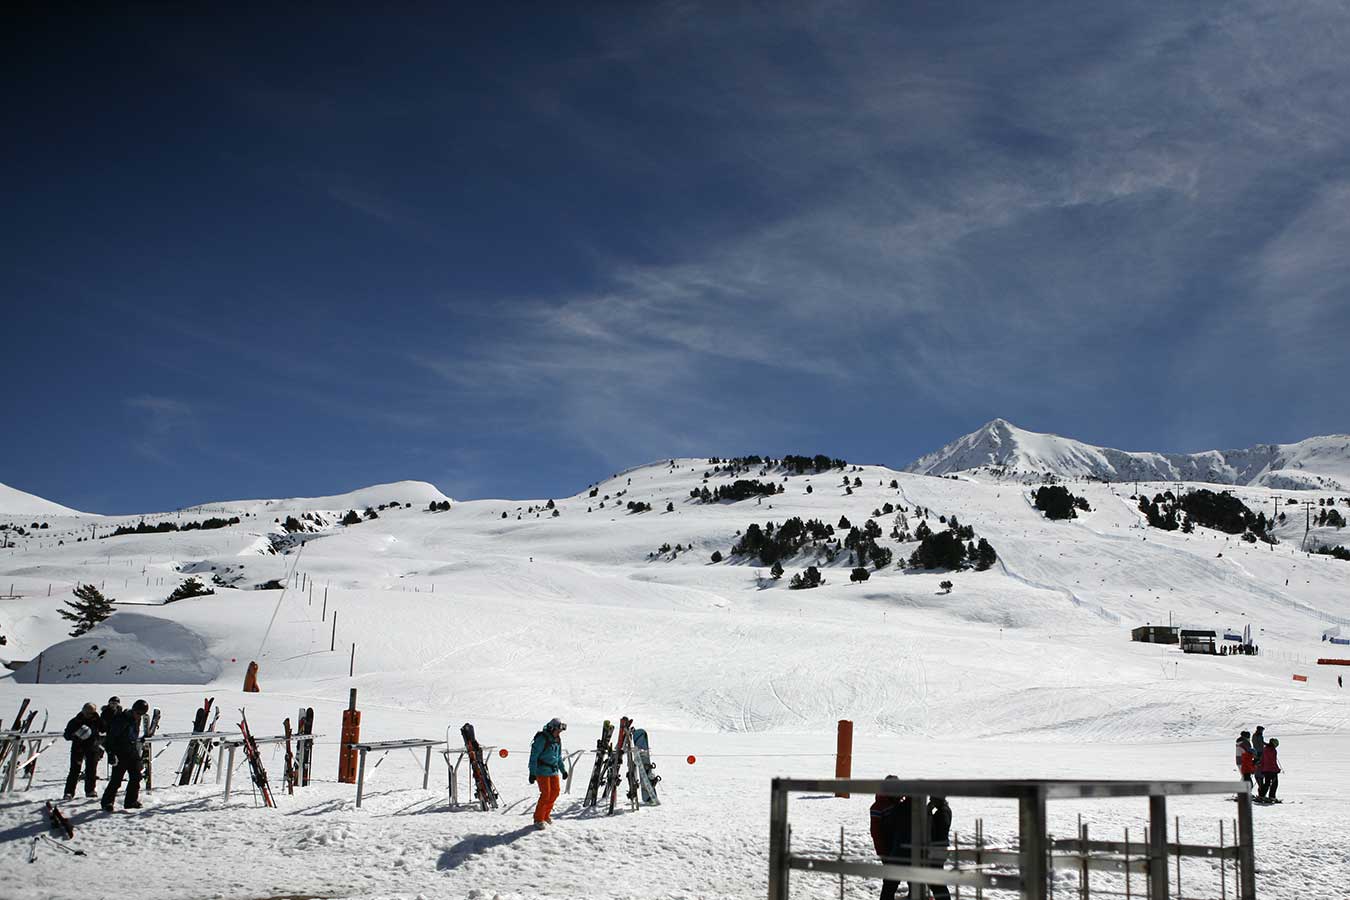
x=562, y=772
x=531, y=779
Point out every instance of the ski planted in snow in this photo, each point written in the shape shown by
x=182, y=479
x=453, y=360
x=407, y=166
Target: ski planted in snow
x=12, y=748
x=292, y=770
x=602, y=750
x=192, y=755
x=612, y=774
x=487, y=794
x=255, y=763
x=147, y=758
x=59, y=820
x=304, y=722
x=647, y=778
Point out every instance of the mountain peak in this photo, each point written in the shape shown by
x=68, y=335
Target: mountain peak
x=1311, y=464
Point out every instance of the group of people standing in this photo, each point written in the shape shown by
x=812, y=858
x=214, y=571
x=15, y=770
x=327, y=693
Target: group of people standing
x=892, y=837
x=1260, y=758
x=113, y=730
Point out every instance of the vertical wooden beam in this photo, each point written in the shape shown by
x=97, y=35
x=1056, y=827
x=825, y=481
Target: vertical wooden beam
x=1246, y=850
x=778, y=841
x=1157, y=847
x=1031, y=837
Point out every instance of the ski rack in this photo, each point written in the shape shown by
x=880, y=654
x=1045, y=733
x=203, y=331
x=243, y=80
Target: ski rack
x=1035, y=857
x=409, y=743
x=21, y=746
x=230, y=743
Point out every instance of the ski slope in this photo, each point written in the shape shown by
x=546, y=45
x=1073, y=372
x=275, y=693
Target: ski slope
x=466, y=615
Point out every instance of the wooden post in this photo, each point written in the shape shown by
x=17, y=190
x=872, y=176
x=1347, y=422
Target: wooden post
x=351, y=733
x=324, y=617
x=843, y=754
x=1157, y=847
x=351, y=668
x=426, y=770
x=332, y=642
x=1031, y=838
x=361, y=778
x=778, y=842
x=229, y=774
x=918, y=840
x=1246, y=851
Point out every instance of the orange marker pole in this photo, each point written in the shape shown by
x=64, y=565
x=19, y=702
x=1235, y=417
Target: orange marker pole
x=843, y=754
x=351, y=733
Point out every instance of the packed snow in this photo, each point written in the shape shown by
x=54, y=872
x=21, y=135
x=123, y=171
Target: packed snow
x=469, y=615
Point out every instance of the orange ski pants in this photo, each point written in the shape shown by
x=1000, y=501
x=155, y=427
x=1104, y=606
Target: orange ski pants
x=549, y=788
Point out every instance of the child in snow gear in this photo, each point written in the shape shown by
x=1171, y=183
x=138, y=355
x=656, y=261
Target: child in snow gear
x=85, y=749
x=1270, y=771
x=123, y=743
x=1246, y=759
x=891, y=828
x=547, y=769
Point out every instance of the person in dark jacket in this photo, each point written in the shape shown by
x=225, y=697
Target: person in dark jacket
x=940, y=828
x=1258, y=747
x=123, y=742
x=105, y=717
x=85, y=749
x=891, y=829
x=547, y=769
x=1270, y=771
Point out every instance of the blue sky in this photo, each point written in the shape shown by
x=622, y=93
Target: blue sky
x=263, y=253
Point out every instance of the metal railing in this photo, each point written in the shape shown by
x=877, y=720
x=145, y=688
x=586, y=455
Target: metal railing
x=1035, y=855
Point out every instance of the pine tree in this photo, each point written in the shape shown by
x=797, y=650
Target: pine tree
x=776, y=570
x=87, y=609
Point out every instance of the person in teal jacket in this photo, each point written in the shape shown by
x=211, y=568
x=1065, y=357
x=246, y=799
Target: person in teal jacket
x=547, y=769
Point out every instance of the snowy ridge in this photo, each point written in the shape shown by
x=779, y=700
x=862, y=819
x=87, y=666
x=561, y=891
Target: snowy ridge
x=1317, y=463
x=16, y=502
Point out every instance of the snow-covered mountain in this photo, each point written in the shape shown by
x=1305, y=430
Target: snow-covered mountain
x=21, y=503
x=1317, y=463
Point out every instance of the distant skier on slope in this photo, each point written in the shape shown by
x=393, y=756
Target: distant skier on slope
x=83, y=733
x=1270, y=771
x=891, y=828
x=124, y=743
x=547, y=769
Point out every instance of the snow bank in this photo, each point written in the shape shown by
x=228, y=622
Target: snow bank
x=131, y=648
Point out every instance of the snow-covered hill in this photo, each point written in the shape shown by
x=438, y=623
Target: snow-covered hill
x=1317, y=463
x=21, y=503
x=507, y=612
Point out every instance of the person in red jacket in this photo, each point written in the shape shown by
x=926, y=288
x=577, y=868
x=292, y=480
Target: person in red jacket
x=891, y=829
x=1245, y=759
x=1270, y=771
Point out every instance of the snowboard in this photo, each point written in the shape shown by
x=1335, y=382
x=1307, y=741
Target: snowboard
x=602, y=750
x=487, y=794
x=647, y=778
x=59, y=820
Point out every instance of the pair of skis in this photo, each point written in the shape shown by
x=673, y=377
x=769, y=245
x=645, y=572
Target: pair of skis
x=304, y=751
x=630, y=757
x=58, y=822
x=197, y=757
x=12, y=748
x=482, y=781
x=255, y=763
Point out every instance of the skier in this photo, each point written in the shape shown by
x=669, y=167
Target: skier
x=891, y=834
x=1245, y=758
x=940, y=827
x=123, y=742
x=1270, y=771
x=105, y=717
x=547, y=769
x=85, y=750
